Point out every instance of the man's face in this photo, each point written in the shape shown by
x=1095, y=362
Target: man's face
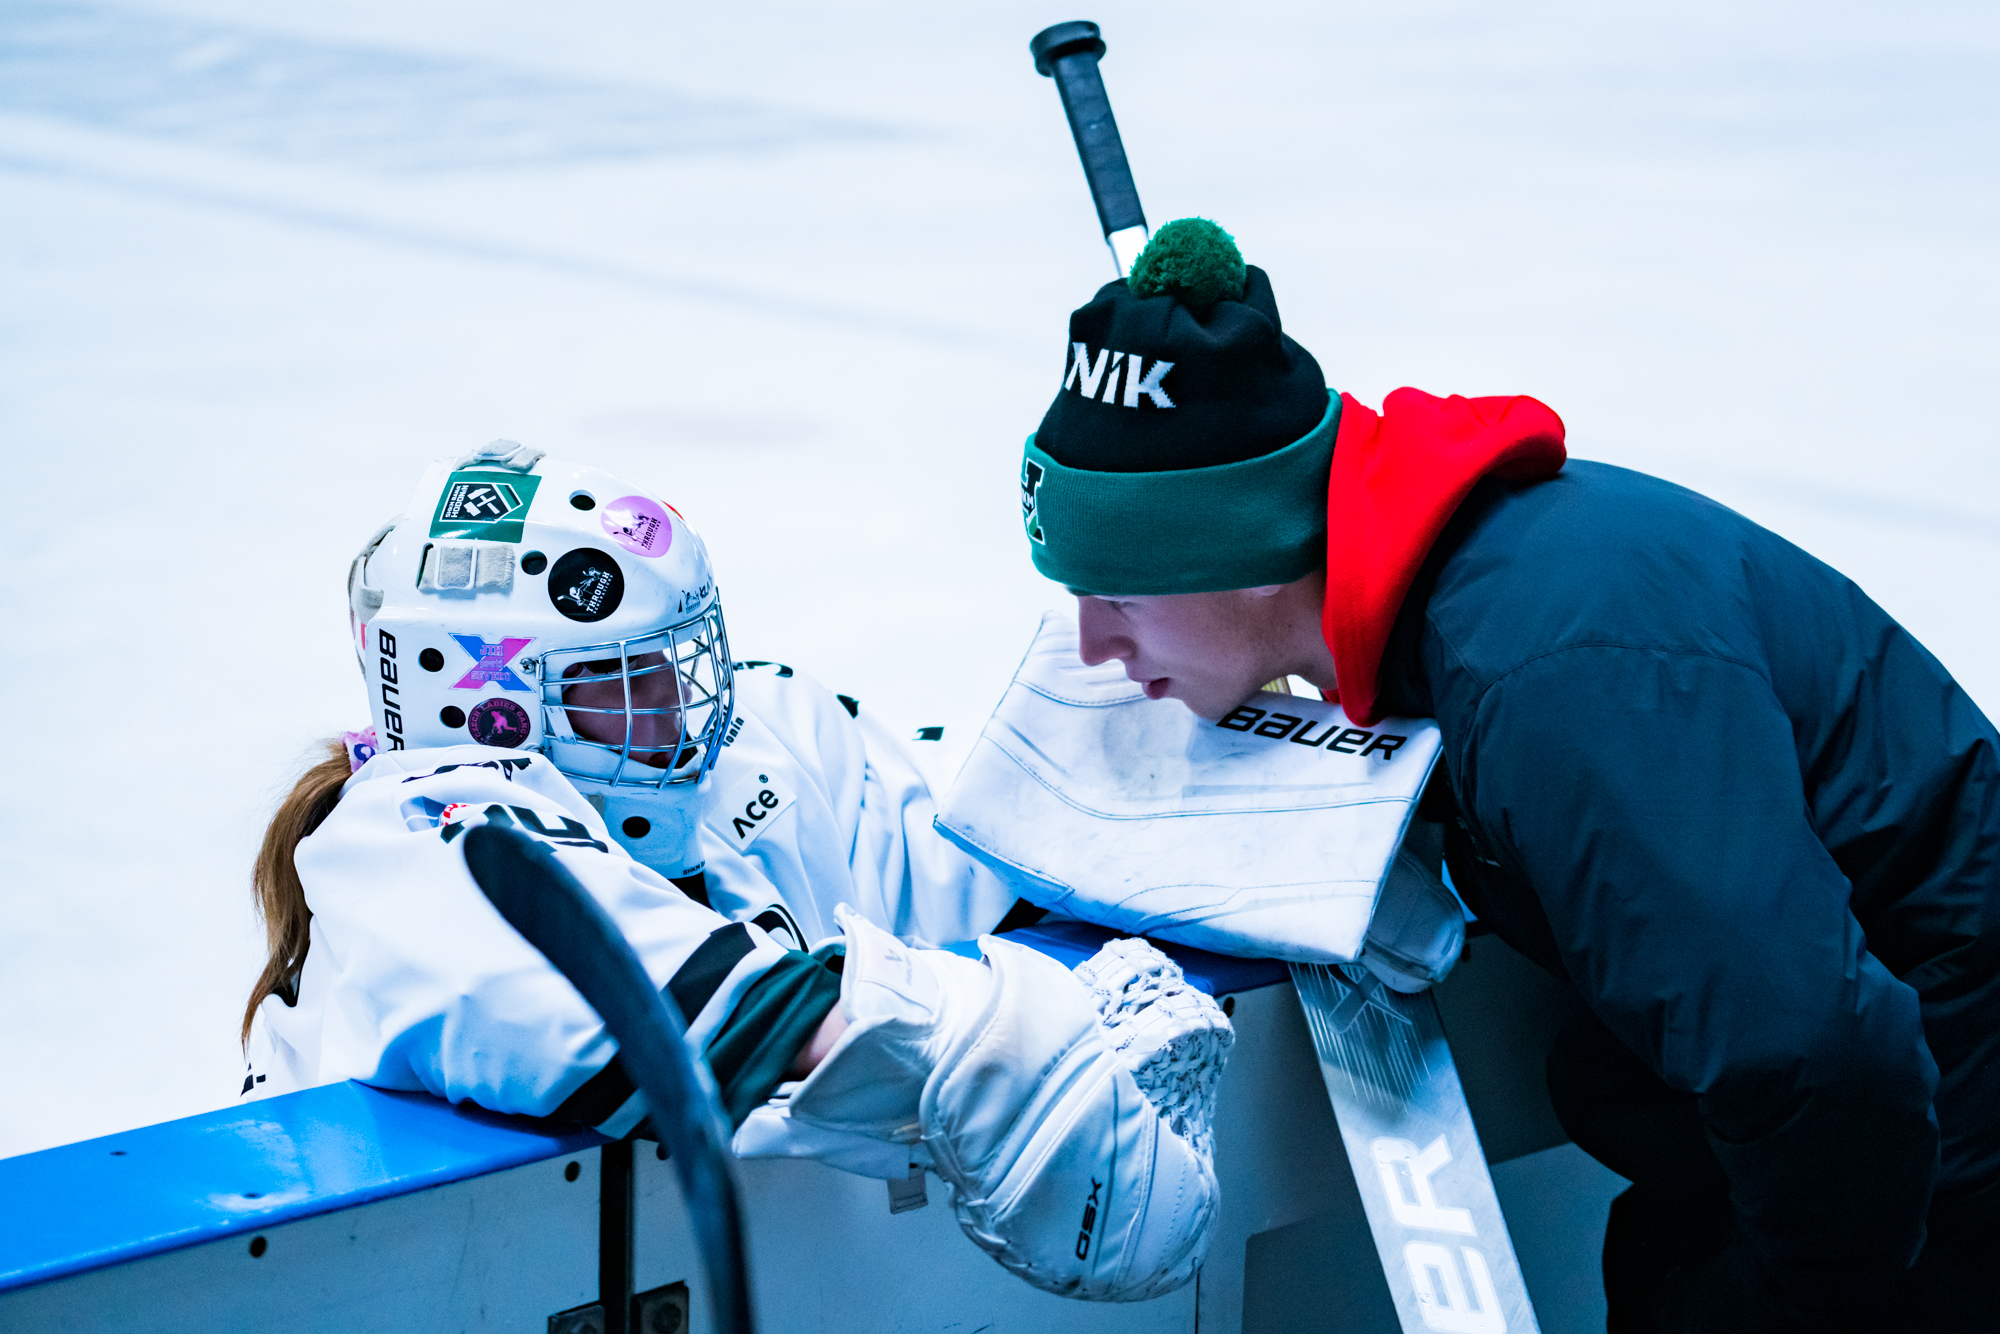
x=1211, y=651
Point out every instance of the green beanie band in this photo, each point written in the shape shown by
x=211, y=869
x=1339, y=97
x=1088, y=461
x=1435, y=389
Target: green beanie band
x=1196, y=530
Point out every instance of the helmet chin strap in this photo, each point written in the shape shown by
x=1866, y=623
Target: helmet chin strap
x=660, y=827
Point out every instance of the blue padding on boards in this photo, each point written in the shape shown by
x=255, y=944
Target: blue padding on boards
x=119, y=1198
x=1070, y=942
x=159, y=1188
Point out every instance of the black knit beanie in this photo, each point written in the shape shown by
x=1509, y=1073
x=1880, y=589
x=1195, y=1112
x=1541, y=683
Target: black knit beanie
x=1189, y=445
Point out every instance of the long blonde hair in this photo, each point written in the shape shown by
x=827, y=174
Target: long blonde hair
x=281, y=899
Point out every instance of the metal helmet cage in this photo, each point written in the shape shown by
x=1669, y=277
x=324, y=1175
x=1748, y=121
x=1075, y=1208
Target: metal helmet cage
x=696, y=650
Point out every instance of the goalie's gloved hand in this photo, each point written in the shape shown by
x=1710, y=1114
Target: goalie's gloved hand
x=1418, y=929
x=1022, y=1084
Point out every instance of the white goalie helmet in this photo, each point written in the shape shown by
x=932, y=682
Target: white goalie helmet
x=533, y=604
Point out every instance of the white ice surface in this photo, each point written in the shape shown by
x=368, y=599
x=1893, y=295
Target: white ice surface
x=805, y=268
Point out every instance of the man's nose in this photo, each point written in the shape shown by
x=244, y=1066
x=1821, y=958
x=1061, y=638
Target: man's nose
x=1097, y=642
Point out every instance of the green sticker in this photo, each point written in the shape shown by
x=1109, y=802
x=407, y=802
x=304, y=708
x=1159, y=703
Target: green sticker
x=487, y=506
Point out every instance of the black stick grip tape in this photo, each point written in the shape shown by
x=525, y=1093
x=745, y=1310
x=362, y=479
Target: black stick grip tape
x=1069, y=52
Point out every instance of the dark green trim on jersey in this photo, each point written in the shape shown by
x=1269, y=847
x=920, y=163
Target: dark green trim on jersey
x=748, y=1056
x=777, y=1016
x=1197, y=530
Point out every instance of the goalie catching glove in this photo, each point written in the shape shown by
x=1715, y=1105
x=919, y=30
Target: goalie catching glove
x=1069, y=1112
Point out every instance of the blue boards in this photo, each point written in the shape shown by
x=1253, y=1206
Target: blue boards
x=1070, y=942
x=181, y=1183
x=158, y=1188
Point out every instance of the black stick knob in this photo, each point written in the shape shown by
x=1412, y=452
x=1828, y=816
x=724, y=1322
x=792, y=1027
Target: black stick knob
x=1068, y=53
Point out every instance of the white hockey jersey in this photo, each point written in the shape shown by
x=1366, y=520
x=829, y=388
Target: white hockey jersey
x=413, y=981
x=814, y=805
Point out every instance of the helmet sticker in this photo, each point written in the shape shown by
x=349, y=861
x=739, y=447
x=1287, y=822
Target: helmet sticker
x=586, y=585
x=487, y=507
x=489, y=663
x=498, y=722
x=639, y=524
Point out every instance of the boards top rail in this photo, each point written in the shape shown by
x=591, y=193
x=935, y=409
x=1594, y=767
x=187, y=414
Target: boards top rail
x=391, y=1211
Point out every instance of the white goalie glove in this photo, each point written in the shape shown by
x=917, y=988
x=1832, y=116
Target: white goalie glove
x=1173, y=1038
x=1418, y=930
x=1069, y=1112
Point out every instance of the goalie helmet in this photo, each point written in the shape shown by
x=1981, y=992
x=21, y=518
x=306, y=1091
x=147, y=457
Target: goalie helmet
x=538, y=605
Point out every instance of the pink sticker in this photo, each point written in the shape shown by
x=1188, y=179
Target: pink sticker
x=639, y=524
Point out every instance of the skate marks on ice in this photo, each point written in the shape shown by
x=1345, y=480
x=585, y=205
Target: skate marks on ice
x=298, y=99
x=1409, y=1138
x=510, y=253
x=294, y=102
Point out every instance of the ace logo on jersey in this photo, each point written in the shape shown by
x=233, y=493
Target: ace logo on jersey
x=750, y=807
x=484, y=506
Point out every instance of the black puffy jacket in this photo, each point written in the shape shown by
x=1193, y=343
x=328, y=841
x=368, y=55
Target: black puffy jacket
x=1703, y=777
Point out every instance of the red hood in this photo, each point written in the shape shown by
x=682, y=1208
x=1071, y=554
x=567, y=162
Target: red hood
x=1397, y=478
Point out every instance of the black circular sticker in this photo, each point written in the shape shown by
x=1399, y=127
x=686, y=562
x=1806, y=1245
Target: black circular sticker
x=498, y=722
x=586, y=585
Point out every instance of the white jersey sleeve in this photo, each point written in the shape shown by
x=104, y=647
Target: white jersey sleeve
x=817, y=804
x=414, y=981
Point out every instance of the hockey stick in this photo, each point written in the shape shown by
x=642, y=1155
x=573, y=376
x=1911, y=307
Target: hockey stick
x=1444, y=1245
x=1068, y=53
x=545, y=903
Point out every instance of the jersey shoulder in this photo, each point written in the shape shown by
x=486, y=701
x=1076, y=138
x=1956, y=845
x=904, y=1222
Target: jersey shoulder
x=402, y=766
x=772, y=687
x=814, y=725
x=436, y=788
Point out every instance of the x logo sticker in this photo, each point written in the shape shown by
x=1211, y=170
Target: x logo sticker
x=489, y=663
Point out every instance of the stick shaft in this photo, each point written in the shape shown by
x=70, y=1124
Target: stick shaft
x=1068, y=53
x=538, y=896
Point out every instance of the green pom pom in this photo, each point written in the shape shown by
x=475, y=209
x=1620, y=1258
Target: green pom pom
x=1193, y=261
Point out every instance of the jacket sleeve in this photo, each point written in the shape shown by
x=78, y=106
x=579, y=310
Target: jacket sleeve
x=1654, y=803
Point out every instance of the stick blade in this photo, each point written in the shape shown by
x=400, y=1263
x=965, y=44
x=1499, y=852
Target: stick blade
x=538, y=896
